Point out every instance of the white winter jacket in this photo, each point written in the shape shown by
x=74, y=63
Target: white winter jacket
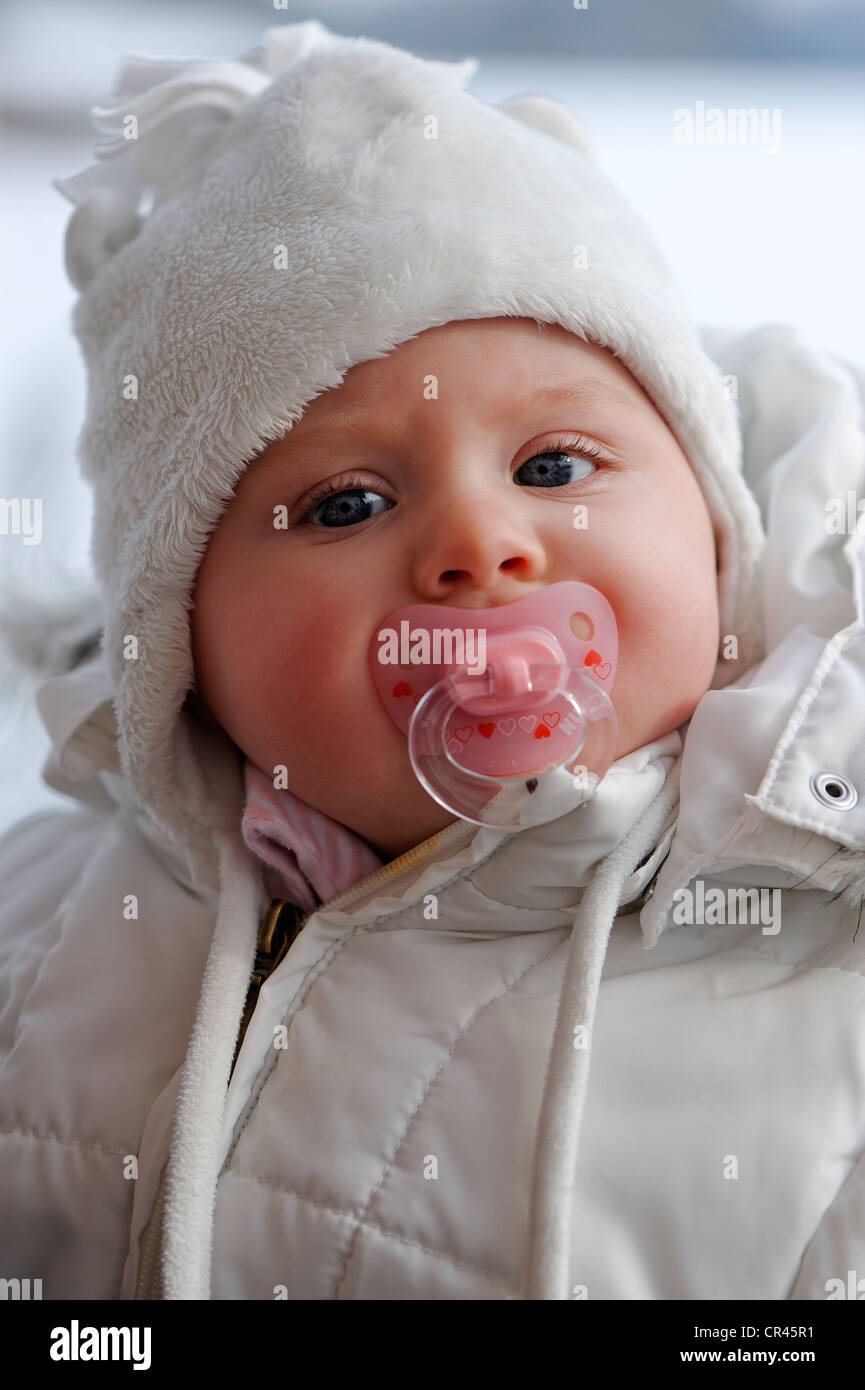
x=506, y=1065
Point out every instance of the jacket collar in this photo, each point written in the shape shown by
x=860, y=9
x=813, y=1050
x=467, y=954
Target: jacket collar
x=536, y=868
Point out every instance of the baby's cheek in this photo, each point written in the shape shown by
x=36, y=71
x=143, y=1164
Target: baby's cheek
x=322, y=699
x=668, y=645
x=691, y=638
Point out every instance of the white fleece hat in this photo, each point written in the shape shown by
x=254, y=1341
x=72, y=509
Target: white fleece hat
x=262, y=225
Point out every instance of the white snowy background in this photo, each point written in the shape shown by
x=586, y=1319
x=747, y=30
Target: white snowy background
x=752, y=236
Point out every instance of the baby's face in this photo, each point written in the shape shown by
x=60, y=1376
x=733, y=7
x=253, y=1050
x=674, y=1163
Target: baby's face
x=463, y=495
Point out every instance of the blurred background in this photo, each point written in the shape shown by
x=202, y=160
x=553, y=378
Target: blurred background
x=768, y=231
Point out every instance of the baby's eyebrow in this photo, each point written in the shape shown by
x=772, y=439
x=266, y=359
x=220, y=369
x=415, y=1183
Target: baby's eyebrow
x=342, y=427
x=589, y=391
x=586, y=392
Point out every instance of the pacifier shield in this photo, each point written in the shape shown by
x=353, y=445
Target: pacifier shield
x=496, y=698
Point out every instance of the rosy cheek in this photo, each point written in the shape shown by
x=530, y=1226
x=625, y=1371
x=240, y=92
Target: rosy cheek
x=314, y=656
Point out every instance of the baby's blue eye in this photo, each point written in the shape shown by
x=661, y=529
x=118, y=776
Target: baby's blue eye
x=550, y=469
x=350, y=502
x=349, y=506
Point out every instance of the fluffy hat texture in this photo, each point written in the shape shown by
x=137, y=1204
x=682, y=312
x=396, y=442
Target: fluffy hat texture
x=262, y=225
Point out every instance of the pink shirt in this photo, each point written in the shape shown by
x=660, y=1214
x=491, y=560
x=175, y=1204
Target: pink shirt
x=309, y=858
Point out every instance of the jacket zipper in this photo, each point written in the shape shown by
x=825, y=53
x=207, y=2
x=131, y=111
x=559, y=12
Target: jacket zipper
x=146, y=1281
x=458, y=835
x=281, y=925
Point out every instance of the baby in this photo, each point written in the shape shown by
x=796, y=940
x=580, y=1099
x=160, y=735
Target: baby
x=276, y=1021
x=394, y=498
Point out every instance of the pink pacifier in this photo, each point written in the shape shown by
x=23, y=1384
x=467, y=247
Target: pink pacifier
x=507, y=709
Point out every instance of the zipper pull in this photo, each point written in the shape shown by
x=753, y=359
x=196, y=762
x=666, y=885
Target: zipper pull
x=281, y=924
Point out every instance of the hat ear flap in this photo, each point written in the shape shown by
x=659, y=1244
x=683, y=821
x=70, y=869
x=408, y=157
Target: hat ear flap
x=549, y=116
x=96, y=230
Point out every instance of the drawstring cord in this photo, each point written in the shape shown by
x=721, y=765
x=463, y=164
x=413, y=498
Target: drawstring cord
x=566, y=1082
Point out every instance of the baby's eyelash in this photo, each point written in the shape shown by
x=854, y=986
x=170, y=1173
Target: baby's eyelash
x=571, y=444
x=350, y=483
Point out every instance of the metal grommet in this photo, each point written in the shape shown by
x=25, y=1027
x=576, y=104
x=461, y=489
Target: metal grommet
x=833, y=790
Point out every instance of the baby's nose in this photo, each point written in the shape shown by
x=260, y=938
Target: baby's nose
x=473, y=546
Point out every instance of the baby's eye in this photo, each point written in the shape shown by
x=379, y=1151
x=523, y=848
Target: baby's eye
x=552, y=468
x=346, y=506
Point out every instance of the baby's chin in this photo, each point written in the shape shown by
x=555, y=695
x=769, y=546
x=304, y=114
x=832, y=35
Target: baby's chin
x=391, y=810
x=381, y=799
